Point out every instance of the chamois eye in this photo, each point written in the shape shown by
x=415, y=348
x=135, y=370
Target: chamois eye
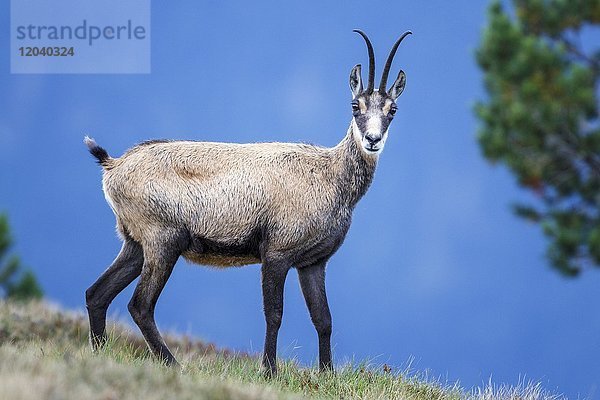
x=355, y=107
x=392, y=111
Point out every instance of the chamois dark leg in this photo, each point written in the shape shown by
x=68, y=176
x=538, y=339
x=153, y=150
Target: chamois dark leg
x=124, y=269
x=273, y=281
x=312, y=282
x=158, y=265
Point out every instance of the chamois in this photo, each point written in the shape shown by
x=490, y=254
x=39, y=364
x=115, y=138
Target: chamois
x=224, y=204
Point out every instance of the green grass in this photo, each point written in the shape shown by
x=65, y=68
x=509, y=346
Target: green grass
x=44, y=354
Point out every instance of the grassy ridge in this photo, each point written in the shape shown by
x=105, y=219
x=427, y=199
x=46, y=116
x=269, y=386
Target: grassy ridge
x=44, y=355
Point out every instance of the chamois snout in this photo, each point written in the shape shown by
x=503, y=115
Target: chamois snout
x=372, y=140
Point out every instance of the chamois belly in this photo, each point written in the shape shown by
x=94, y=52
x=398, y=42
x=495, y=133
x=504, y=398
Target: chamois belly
x=219, y=260
x=214, y=253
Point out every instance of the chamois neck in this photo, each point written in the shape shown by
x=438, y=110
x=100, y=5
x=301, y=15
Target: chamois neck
x=355, y=167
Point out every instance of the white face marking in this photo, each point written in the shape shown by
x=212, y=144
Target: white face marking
x=373, y=126
x=371, y=118
x=364, y=143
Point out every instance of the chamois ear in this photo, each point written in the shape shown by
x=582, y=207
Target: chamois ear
x=398, y=86
x=356, y=81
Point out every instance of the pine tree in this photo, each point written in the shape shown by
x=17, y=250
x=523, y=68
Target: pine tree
x=540, y=118
x=14, y=282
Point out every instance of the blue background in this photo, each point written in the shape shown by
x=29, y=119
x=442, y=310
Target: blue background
x=456, y=283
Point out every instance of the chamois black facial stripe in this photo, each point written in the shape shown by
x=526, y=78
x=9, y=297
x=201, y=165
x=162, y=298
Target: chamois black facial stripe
x=374, y=104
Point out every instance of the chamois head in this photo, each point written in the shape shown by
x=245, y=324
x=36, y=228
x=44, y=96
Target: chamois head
x=374, y=109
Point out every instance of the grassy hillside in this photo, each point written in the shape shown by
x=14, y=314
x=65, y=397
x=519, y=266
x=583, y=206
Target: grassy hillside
x=44, y=355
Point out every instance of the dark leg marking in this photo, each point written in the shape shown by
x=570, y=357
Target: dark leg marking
x=312, y=282
x=124, y=269
x=158, y=265
x=273, y=281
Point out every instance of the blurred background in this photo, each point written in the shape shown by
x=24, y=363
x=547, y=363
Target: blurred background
x=460, y=284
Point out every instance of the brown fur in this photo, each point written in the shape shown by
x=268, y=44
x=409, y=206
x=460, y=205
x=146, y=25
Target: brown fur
x=296, y=195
